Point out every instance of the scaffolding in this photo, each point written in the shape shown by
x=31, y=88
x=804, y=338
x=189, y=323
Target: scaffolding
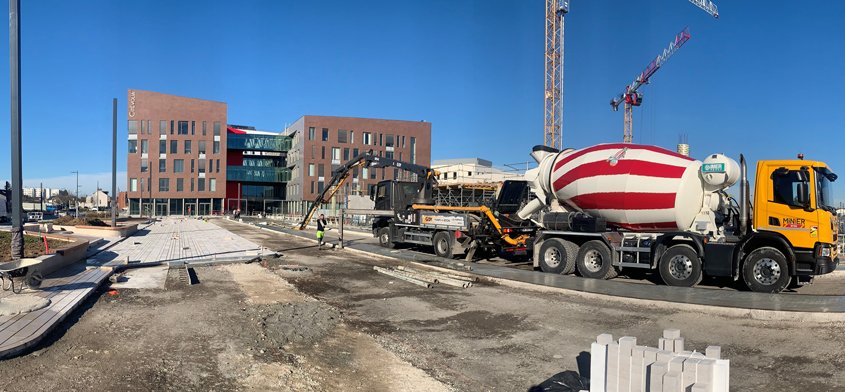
x=465, y=195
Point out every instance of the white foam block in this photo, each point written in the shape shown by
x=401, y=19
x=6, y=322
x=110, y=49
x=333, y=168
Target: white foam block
x=671, y=333
x=598, y=367
x=637, y=369
x=612, y=383
x=656, y=371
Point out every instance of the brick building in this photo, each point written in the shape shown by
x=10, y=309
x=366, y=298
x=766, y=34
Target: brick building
x=322, y=143
x=177, y=159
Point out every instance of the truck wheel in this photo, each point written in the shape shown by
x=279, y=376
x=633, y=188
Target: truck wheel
x=680, y=266
x=594, y=261
x=442, y=243
x=384, y=237
x=558, y=256
x=765, y=271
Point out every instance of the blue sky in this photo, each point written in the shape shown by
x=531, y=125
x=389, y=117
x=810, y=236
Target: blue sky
x=764, y=79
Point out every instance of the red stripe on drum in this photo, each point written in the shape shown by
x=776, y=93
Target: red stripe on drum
x=646, y=226
x=604, y=168
x=624, y=201
x=618, y=146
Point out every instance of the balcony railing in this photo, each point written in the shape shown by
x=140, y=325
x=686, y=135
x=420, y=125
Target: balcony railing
x=257, y=174
x=278, y=143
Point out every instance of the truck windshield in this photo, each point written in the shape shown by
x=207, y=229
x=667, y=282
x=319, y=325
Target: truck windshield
x=825, y=198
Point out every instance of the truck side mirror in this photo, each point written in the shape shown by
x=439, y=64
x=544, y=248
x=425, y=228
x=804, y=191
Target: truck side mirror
x=803, y=197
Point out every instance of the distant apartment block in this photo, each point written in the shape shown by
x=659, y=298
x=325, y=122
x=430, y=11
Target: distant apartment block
x=472, y=171
x=176, y=161
x=323, y=143
x=184, y=159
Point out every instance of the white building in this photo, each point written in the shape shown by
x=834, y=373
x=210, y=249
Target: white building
x=471, y=170
x=36, y=192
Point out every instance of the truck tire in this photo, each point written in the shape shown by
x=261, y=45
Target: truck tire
x=442, y=243
x=765, y=270
x=557, y=256
x=594, y=261
x=384, y=237
x=680, y=266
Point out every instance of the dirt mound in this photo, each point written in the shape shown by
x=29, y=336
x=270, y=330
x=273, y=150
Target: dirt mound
x=296, y=323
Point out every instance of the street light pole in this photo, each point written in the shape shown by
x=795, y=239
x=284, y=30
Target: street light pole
x=17, y=173
x=76, y=202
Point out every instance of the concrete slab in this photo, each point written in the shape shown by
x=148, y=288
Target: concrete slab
x=22, y=303
x=142, y=278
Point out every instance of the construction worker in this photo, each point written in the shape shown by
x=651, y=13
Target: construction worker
x=321, y=228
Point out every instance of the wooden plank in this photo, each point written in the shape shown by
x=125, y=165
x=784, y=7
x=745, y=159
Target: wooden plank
x=55, y=296
x=48, y=325
x=50, y=294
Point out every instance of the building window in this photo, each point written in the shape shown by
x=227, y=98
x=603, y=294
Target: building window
x=469, y=174
x=212, y=184
x=211, y=165
x=162, y=165
x=143, y=127
x=313, y=151
x=133, y=127
x=203, y=128
x=389, y=154
x=345, y=154
x=201, y=165
x=215, y=147
x=218, y=167
x=335, y=153
x=354, y=152
x=192, y=184
x=381, y=139
x=142, y=185
x=162, y=146
x=193, y=127
x=351, y=137
x=312, y=186
x=192, y=165
x=311, y=169
x=174, y=146
x=403, y=141
x=388, y=142
x=133, y=146
x=400, y=155
x=413, y=149
x=187, y=146
x=322, y=152
x=162, y=127
x=364, y=173
x=180, y=184
x=311, y=132
x=320, y=170
x=163, y=184
x=368, y=138
x=325, y=134
x=217, y=128
x=178, y=165
x=145, y=164
x=200, y=184
x=133, y=185
x=183, y=127
x=172, y=126
x=320, y=187
x=202, y=147
x=341, y=136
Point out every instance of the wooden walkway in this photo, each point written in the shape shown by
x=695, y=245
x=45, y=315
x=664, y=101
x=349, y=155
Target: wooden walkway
x=170, y=240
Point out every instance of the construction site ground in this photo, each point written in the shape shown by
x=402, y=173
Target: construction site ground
x=339, y=325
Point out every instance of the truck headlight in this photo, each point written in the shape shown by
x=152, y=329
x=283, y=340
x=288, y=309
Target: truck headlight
x=825, y=252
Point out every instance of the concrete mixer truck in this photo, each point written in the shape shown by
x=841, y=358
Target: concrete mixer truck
x=613, y=206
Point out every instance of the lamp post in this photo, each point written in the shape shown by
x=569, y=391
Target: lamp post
x=76, y=202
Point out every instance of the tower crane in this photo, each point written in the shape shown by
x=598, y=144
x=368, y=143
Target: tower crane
x=631, y=96
x=553, y=125
x=707, y=6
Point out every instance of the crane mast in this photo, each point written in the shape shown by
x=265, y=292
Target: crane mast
x=553, y=124
x=631, y=96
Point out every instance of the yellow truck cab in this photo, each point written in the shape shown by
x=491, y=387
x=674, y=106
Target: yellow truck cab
x=793, y=219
